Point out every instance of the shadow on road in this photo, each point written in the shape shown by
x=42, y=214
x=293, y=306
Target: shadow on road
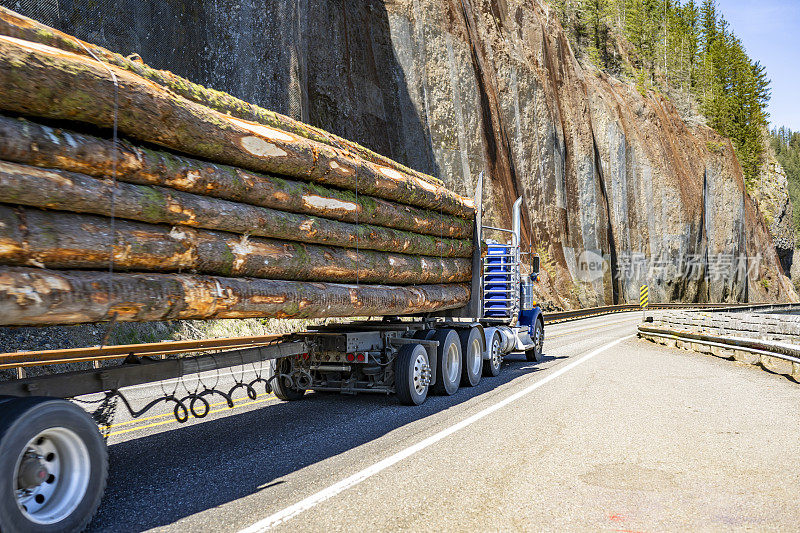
x=158, y=479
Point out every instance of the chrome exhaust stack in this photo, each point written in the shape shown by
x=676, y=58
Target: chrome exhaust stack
x=516, y=228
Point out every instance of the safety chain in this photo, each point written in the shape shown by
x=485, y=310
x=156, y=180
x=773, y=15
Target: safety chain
x=189, y=403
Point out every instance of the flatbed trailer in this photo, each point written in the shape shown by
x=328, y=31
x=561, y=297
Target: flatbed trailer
x=53, y=460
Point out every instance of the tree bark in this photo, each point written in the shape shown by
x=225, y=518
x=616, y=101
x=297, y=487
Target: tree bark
x=58, y=240
x=34, y=297
x=43, y=81
x=15, y=25
x=69, y=191
x=29, y=143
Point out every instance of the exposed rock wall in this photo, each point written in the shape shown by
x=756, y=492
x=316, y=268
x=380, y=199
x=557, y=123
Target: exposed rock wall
x=456, y=87
x=771, y=195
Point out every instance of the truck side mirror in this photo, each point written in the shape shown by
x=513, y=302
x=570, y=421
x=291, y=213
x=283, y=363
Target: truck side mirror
x=535, y=271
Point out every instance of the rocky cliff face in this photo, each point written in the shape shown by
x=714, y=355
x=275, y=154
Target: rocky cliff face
x=771, y=195
x=610, y=177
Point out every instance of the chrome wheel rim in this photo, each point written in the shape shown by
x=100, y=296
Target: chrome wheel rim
x=538, y=339
x=474, y=353
x=453, y=360
x=52, y=475
x=496, y=357
x=421, y=374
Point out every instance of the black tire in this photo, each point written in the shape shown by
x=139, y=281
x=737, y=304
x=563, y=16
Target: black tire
x=471, y=348
x=424, y=334
x=448, y=362
x=409, y=373
x=535, y=353
x=491, y=366
x=73, y=437
x=283, y=388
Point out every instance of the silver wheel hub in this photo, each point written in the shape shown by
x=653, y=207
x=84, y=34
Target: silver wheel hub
x=51, y=476
x=452, y=361
x=421, y=374
x=474, y=356
x=497, y=357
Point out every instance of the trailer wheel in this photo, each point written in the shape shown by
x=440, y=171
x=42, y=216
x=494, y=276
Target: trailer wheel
x=53, y=466
x=412, y=374
x=535, y=353
x=491, y=366
x=448, y=364
x=472, y=356
x=282, y=386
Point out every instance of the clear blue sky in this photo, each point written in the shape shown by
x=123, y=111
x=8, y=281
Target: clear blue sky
x=770, y=30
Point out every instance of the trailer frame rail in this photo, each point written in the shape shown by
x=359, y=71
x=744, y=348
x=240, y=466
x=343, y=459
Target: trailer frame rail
x=137, y=371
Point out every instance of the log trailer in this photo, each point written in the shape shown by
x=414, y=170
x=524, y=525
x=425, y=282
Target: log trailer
x=53, y=461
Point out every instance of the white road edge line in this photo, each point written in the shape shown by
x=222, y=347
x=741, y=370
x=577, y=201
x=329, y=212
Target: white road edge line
x=328, y=493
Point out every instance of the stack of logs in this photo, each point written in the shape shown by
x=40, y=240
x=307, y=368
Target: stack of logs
x=223, y=209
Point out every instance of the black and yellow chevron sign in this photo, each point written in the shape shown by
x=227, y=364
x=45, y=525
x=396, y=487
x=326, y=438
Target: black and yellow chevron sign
x=644, y=296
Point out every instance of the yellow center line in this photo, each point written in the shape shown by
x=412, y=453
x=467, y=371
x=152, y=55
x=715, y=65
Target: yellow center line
x=173, y=421
x=143, y=419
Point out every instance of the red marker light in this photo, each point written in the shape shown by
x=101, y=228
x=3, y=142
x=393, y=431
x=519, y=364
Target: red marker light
x=351, y=357
x=360, y=358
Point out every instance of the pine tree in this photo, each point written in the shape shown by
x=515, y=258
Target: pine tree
x=642, y=30
x=597, y=14
x=690, y=17
x=708, y=24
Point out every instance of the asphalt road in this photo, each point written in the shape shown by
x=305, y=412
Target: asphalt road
x=627, y=437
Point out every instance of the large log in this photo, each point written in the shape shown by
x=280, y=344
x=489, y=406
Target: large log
x=42, y=81
x=69, y=191
x=30, y=143
x=15, y=25
x=35, y=297
x=58, y=240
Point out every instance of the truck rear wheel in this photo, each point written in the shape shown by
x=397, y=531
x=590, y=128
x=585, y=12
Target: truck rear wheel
x=448, y=364
x=472, y=356
x=491, y=366
x=412, y=374
x=53, y=466
x=282, y=385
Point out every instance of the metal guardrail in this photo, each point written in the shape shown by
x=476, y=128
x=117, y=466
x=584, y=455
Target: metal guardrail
x=783, y=351
x=564, y=316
